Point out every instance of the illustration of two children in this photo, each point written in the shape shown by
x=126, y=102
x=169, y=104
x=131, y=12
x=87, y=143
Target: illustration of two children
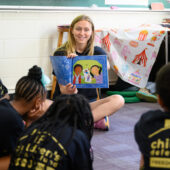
x=95, y=72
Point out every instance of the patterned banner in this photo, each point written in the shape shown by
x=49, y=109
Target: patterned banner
x=132, y=52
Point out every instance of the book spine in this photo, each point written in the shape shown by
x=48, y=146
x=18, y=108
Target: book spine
x=71, y=71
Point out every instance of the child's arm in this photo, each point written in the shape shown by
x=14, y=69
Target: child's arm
x=141, y=162
x=6, y=96
x=4, y=162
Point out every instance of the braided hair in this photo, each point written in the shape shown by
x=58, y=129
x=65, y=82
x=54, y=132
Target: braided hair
x=30, y=86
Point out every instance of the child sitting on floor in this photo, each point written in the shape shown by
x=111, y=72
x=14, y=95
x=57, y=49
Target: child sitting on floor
x=153, y=128
x=60, y=139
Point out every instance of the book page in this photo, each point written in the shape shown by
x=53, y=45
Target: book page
x=90, y=72
x=62, y=68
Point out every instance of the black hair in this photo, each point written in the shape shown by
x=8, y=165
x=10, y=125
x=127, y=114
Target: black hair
x=100, y=69
x=70, y=110
x=30, y=86
x=3, y=89
x=163, y=84
x=78, y=65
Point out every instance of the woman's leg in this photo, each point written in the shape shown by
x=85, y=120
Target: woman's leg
x=106, y=106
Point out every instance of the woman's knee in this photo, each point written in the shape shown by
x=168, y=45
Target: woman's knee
x=118, y=99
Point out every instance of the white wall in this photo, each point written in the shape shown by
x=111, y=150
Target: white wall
x=30, y=37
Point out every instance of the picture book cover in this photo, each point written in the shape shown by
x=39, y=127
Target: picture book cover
x=82, y=71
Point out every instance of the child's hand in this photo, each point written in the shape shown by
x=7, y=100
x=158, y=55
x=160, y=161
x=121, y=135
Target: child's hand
x=71, y=55
x=38, y=110
x=68, y=89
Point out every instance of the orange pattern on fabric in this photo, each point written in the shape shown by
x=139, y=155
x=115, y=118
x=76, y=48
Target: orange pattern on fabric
x=107, y=42
x=141, y=58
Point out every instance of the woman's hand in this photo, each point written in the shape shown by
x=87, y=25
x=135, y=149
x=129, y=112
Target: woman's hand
x=108, y=65
x=71, y=55
x=68, y=89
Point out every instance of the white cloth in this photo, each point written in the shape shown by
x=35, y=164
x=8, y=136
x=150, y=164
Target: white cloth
x=132, y=52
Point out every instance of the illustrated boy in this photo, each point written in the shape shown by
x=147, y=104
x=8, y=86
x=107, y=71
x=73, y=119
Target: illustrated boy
x=77, y=76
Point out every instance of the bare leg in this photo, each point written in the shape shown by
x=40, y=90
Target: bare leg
x=106, y=106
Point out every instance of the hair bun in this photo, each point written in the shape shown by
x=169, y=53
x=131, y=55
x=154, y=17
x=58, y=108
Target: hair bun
x=35, y=73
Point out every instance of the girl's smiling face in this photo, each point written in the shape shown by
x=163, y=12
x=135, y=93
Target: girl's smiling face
x=82, y=32
x=95, y=71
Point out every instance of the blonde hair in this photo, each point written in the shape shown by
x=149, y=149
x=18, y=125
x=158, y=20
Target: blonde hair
x=70, y=45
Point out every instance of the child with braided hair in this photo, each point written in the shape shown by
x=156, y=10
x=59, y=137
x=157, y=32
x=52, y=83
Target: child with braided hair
x=29, y=102
x=60, y=139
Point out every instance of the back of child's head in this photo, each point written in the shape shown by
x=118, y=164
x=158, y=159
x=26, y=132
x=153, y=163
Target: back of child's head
x=163, y=85
x=70, y=110
x=67, y=111
x=30, y=86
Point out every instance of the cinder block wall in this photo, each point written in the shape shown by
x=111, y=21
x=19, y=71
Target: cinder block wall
x=30, y=37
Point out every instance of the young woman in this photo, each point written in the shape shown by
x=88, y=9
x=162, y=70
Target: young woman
x=60, y=139
x=80, y=43
x=29, y=103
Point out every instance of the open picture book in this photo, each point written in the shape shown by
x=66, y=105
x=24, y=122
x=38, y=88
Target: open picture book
x=82, y=71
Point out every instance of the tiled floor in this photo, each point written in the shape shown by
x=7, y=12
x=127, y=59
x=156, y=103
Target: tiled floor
x=116, y=149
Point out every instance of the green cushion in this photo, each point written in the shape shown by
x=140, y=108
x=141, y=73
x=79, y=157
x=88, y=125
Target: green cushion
x=129, y=96
x=122, y=93
x=132, y=99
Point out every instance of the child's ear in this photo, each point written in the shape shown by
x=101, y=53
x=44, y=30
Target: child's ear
x=33, y=112
x=160, y=101
x=38, y=101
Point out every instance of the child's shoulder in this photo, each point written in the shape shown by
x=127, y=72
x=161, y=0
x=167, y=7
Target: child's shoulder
x=152, y=115
x=152, y=118
x=60, y=52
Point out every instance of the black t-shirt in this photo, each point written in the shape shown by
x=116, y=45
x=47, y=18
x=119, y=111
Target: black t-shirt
x=152, y=133
x=89, y=93
x=3, y=89
x=11, y=126
x=40, y=149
